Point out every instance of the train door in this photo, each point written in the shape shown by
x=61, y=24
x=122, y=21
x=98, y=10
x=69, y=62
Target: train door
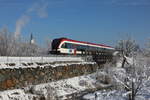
x=75, y=49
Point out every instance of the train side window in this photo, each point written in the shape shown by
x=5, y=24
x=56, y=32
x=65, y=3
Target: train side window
x=69, y=45
x=75, y=46
x=63, y=45
x=83, y=47
x=72, y=46
x=78, y=47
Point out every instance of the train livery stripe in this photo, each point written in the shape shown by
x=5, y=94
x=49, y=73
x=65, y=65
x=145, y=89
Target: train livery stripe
x=88, y=43
x=82, y=43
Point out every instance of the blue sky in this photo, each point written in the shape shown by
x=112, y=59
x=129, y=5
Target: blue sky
x=98, y=21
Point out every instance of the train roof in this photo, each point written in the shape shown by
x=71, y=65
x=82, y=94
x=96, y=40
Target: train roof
x=70, y=40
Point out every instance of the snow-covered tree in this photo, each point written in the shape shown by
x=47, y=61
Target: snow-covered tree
x=128, y=48
x=9, y=46
x=6, y=42
x=147, y=49
x=131, y=78
x=134, y=72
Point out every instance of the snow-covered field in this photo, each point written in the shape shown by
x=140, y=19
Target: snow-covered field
x=144, y=94
x=60, y=88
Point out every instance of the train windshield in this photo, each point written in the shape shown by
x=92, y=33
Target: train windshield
x=55, y=43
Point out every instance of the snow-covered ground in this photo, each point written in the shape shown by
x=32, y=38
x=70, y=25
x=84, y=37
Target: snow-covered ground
x=142, y=94
x=59, y=88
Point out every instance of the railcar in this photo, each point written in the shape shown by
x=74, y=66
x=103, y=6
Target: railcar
x=74, y=47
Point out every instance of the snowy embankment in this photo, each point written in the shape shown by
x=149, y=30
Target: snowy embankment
x=144, y=94
x=60, y=89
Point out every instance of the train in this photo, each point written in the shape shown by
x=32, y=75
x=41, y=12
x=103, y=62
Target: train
x=75, y=47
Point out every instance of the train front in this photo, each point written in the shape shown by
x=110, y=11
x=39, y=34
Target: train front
x=54, y=46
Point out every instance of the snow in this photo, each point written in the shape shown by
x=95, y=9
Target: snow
x=61, y=88
x=51, y=61
x=37, y=59
x=16, y=94
x=115, y=53
x=89, y=96
x=116, y=95
x=65, y=87
x=119, y=63
x=64, y=64
x=130, y=60
x=68, y=86
x=35, y=65
x=143, y=93
x=104, y=95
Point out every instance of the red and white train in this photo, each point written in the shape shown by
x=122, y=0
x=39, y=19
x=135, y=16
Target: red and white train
x=69, y=46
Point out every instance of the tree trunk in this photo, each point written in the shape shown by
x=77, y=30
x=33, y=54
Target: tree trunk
x=123, y=63
x=130, y=97
x=133, y=93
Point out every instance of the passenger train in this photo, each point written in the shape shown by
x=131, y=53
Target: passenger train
x=74, y=47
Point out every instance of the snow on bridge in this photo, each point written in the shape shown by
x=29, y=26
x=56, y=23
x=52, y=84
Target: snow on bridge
x=5, y=59
x=34, y=62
